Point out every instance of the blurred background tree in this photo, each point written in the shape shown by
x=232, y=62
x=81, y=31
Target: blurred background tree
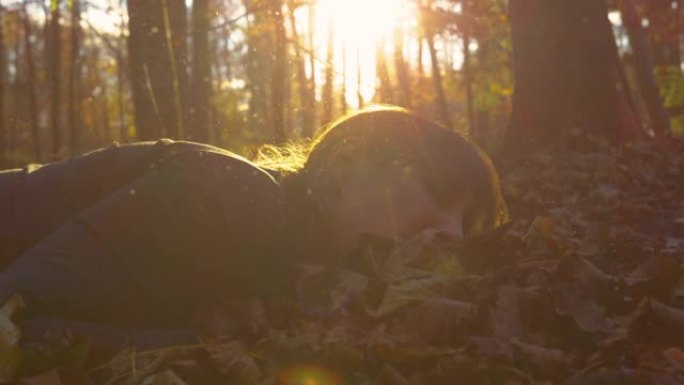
x=78, y=74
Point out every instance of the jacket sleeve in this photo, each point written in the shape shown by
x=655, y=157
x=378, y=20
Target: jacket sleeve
x=37, y=199
x=199, y=228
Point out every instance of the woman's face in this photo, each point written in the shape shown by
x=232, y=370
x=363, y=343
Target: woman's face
x=397, y=209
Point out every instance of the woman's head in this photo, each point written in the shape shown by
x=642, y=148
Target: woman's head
x=386, y=171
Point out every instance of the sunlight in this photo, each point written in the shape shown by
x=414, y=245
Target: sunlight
x=361, y=22
x=358, y=26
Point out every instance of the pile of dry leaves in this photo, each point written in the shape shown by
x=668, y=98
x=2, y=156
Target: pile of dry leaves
x=584, y=286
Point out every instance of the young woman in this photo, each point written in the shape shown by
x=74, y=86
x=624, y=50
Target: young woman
x=147, y=234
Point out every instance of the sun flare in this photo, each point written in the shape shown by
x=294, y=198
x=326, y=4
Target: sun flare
x=361, y=22
x=358, y=26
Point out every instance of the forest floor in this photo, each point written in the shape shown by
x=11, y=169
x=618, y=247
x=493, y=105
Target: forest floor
x=584, y=286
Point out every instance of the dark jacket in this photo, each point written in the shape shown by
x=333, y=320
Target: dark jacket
x=141, y=234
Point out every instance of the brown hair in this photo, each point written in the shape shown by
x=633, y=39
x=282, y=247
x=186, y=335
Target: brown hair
x=397, y=142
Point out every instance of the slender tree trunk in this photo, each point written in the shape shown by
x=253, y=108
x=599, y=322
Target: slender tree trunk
x=385, y=94
x=3, y=81
x=400, y=67
x=327, y=96
x=12, y=145
x=343, y=91
x=258, y=64
x=421, y=36
x=279, y=74
x=644, y=66
x=31, y=80
x=156, y=46
x=74, y=94
x=200, y=82
x=428, y=33
x=482, y=127
x=121, y=80
x=54, y=70
x=106, y=124
x=303, y=84
x=312, y=67
x=467, y=71
x=419, y=58
x=437, y=82
x=120, y=97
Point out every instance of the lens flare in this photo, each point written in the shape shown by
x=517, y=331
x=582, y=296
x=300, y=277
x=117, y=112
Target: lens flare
x=308, y=375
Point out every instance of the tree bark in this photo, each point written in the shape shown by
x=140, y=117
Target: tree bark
x=566, y=73
x=419, y=58
x=74, y=94
x=402, y=73
x=54, y=70
x=312, y=66
x=306, y=118
x=384, y=91
x=157, y=80
x=259, y=68
x=106, y=125
x=437, y=81
x=200, y=82
x=467, y=70
x=31, y=79
x=343, y=91
x=279, y=74
x=327, y=94
x=428, y=32
x=3, y=77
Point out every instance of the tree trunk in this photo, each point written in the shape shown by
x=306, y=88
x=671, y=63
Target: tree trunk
x=279, y=74
x=74, y=94
x=306, y=120
x=121, y=101
x=566, y=72
x=106, y=125
x=312, y=66
x=481, y=130
x=343, y=91
x=467, y=70
x=384, y=94
x=644, y=68
x=200, y=83
x=259, y=68
x=54, y=70
x=31, y=79
x=3, y=69
x=437, y=81
x=428, y=33
x=419, y=57
x=327, y=94
x=400, y=67
x=156, y=59
x=121, y=80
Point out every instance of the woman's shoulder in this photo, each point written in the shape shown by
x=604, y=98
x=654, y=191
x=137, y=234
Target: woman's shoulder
x=209, y=158
x=152, y=154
